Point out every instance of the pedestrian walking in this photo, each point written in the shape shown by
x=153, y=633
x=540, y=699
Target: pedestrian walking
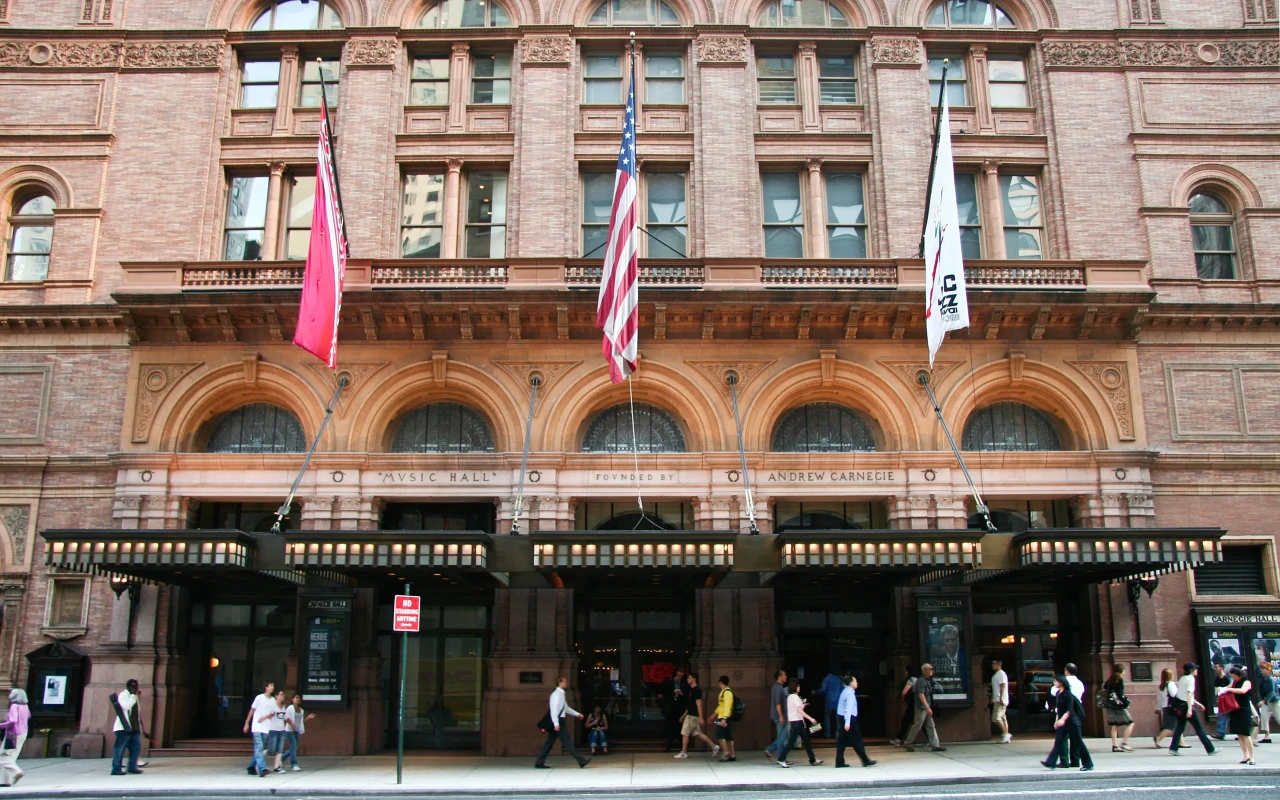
x=1069, y=756
x=723, y=719
x=1183, y=703
x=258, y=724
x=1000, y=700
x=908, y=706
x=279, y=727
x=778, y=715
x=849, y=734
x=597, y=724
x=297, y=725
x=1221, y=680
x=1067, y=727
x=831, y=689
x=691, y=722
x=554, y=726
x=676, y=704
x=1268, y=701
x=1165, y=720
x=15, y=726
x=799, y=721
x=127, y=728
x=1115, y=706
x=1239, y=711
x=922, y=692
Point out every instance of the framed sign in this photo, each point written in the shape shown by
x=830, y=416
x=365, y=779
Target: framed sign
x=326, y=640
x=1141, y=672
x=944, y=643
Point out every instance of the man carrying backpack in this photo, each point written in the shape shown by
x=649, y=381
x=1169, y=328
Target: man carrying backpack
x=728, y=711
x=128, y=729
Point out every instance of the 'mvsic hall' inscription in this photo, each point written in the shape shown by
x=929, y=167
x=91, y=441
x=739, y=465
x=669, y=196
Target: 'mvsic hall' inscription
x=440, y=477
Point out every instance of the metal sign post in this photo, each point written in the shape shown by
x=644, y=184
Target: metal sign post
x=406, y=618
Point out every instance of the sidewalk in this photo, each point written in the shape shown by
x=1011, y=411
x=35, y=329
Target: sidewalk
x=451, y=774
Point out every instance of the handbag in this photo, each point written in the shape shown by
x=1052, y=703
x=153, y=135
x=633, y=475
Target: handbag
x=10, y=741
x=546, y=724
x=1227, y=703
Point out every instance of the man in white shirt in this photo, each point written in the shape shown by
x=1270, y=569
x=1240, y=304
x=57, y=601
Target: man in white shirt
x=1000, y=700
x=1185, y=690
x=127, y=728
x=258, y=722
x=553, y=724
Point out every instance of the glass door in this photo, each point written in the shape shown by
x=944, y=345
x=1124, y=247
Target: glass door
x=240, y=645
x=1023, y=635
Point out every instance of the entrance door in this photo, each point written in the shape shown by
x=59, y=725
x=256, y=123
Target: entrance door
x=1023, y=634
x=240, y=646
x=625, y=676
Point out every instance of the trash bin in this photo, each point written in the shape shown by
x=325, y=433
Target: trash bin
x=47, y=733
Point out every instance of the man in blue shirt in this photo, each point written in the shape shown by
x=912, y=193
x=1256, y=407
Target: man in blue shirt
x=849, y=733
x=830, y=691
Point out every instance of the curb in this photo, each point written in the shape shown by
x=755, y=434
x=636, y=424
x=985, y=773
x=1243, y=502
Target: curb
x=405, y=791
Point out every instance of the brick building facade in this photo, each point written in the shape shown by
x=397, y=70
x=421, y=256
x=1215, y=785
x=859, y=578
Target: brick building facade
x=1120, y=192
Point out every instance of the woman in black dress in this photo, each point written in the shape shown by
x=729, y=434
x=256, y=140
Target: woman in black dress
x=1240, y=721
x=1116, y=706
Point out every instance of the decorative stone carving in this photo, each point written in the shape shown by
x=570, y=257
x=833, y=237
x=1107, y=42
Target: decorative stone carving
x=151, y=55
x=357, y=372
x=523, y=371
x=1162, y=54
x=372, y=52
x=546, y=50
x=721, y=49
x=60, y=54
x=155, y=381
x=16, y=519
x=1249, y=54
x=716, y=370
x=1111, y=378
x=896, y=52
x=1081, y=54
x=1159, y=54
x=906, y=371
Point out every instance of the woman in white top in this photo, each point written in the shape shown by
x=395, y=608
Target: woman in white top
x=800, y=722
x=1164, y=719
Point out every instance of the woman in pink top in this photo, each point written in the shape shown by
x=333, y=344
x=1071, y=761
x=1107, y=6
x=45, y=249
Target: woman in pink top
x=15, y=734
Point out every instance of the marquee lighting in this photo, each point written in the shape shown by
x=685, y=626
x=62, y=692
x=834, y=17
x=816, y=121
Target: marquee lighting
x=633, y=554
x=385, y=552
x=880, y=553
x=1153, y=548
x=85, y=550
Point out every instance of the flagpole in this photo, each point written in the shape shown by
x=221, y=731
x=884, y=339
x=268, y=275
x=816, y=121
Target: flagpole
x=922, y=378
x=333, y=154
x=283, y=511
x=732, y=380
x=534, y=382
x=933, y=160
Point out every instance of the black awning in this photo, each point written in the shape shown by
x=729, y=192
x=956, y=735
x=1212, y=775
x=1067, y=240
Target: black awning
x=633, y=550
x=907, y=549
x=394, y=554
x=168, y=556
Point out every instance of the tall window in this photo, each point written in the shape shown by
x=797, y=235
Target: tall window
x=1007, y=79
x=1010, y=426
x=465, y=14
x=421, y=216
x=970, y=221
x=822, y=428
x=801, y=14
x=491, y=79
x=777, y=79
x=663, y=78
x=443, y=428
x=259, y=84
x=846, y=216
x=837, y=79
x=656, y=431
x=968, y=14
x=309, y=92
x=602, y=74
x=1016, y=516
x=1023, y=223
x=246, y=218
x=486, y=215
x=957, y=82
x=1211, y=237
x=597, y=202
x=297, y=15
x=302, y=197
x=667, y=219
x=30, y=237
x=783, y=215
x=257, y=428
x=634, y=12
x=429, y=81
x=825, y=515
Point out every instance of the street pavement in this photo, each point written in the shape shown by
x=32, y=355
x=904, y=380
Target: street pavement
x=967, y=766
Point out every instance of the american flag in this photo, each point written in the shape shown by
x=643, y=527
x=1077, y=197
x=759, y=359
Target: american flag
x=317, y=331
x=616, y=311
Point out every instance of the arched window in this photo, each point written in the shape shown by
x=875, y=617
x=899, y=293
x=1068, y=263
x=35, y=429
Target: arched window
x=257, y=428
x=443, y=428
x=822, y=428
x=297, y=15
x=1010, y=426
x=633, y=12
x=656, y=431
x=30, y=237
x=1211, y=237
x=801, y=14
x=968, y=14
x=465, y=14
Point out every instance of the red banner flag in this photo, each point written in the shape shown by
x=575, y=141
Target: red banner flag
x=317, y=331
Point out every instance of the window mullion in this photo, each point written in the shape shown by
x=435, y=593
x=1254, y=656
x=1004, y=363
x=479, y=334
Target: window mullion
x=289, y=85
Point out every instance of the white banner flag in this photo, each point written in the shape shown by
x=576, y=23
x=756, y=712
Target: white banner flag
x=946, y=304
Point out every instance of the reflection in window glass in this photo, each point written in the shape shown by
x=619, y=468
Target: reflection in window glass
x=957, y=82
x=970, y=224
x=663, y=78
x=259, y=84
x=486, y=215
x=1023, y=225
x=783, y=220
x=801, y=13
x=465, y=14
x=31, y=240
x=297, y=15
x=429, y=82
x=846, y=216
x=597, y=202
x=633, y=12
x=603, y=77
x=302, y=198
x=246, y=218
x=312, y=71
x=967, y=14
x=1008, y=83
x=1211, y=237
x=837, y=79
x=776, y=76
x=421, y=216
x=491, y=79
x=665, y=212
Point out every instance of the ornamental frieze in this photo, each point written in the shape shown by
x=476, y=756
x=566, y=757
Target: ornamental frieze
x=1111, y=378
x=896, y=52
x=110, y=55
x=721, y=49
x=1162, y=54
x=172, y=54
x=372, y=52
x=546, y=50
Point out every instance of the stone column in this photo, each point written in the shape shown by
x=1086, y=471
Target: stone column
x=452, y=208
x=992, y=211
x=285, y=92
x=810, y=95
x=271, y=235
x=14, y=590
x=815, y=222
x=459, y=85
x=981, y=92
x=317, y=513
x=734, y=636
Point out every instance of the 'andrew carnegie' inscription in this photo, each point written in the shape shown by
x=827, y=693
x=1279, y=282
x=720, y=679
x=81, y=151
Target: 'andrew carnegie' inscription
x=861, y=476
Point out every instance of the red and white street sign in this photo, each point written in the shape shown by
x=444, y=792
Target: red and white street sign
x=408, y=613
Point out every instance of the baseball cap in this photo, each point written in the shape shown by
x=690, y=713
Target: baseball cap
x=1190, y=665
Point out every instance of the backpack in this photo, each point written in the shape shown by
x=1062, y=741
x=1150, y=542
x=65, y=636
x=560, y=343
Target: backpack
x=739, y=709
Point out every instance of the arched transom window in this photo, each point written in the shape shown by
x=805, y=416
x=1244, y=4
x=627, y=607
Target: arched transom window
x=822, y=428
x=30, y=237
x=801, y=14
x=656, y=431
x=634, y=12
x=1211, y=237
x=257, y=428
x=297, y=15
x=465, y=14
x=968, y=14
x=1010, y=426
x=443, y=428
